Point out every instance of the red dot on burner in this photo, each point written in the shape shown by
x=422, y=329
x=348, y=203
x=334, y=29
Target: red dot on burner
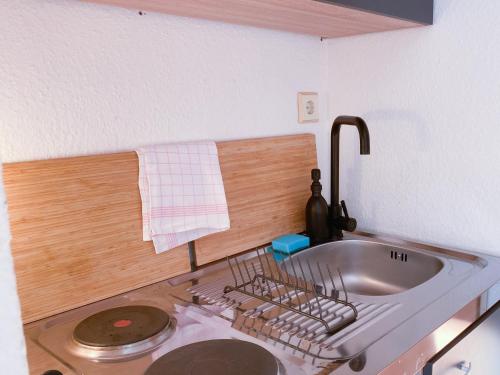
x=122, y=323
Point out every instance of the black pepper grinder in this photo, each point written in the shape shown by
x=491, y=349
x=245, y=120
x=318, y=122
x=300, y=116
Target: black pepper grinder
x=317, y=227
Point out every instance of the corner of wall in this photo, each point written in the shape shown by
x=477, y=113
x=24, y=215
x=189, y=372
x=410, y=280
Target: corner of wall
x=13, y=359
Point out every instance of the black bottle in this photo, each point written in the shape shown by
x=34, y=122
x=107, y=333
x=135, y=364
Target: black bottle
x=317, y=227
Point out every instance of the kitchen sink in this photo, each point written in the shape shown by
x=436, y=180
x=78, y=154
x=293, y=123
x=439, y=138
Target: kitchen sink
x=395, y=286
x=367, y=268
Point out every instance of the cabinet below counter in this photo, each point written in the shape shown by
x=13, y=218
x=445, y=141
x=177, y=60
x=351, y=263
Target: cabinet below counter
x=413, y=361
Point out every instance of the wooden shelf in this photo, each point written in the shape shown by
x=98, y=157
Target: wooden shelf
x=312, y=17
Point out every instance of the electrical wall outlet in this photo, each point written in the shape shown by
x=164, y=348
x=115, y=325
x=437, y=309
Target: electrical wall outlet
x=308, y=107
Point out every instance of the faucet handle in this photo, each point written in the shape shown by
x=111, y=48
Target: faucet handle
x=344, y=208
x=349, y=224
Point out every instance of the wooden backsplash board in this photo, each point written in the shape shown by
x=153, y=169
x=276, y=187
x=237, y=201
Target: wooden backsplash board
x=267, y=185
x=77, y=228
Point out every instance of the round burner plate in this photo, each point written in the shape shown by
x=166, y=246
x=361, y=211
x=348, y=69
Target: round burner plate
x=121, y=332
x=216, y=357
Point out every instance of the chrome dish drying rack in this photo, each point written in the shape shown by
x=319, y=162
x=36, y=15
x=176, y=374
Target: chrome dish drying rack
x=289, y=299
x=289, y=290
x=303, y=306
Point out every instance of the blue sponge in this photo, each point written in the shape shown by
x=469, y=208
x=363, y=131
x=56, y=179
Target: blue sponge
x=290, y=243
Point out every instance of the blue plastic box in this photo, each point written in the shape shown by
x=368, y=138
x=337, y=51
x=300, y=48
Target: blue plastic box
x=290, y=243
x=284, y=246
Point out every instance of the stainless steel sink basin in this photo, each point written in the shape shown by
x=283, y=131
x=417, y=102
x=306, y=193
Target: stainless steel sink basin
x=369, y=268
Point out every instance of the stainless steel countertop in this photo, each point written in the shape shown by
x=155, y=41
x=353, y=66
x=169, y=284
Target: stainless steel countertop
x=452, y=294
x=400, y=340
x=377, y=355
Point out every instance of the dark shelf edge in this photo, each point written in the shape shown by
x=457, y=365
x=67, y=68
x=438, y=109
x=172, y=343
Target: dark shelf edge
x=420, y=11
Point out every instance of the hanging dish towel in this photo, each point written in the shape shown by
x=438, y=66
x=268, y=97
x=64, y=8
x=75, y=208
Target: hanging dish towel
x=182, y=193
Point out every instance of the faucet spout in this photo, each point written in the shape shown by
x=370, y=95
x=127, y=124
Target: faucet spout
x=364, y=149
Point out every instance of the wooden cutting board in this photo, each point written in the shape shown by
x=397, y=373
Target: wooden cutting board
x=77, y=228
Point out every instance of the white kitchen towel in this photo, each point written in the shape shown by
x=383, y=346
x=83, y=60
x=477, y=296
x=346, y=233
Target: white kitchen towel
x=182, y=193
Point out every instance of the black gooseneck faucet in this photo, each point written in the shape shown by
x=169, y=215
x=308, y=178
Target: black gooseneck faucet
x=338, y=222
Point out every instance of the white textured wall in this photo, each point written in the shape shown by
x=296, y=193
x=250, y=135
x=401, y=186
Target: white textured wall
x=431, y=99
x=12, y=353
x=79, y=78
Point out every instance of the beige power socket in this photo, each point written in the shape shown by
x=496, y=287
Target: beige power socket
x=308, y=107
